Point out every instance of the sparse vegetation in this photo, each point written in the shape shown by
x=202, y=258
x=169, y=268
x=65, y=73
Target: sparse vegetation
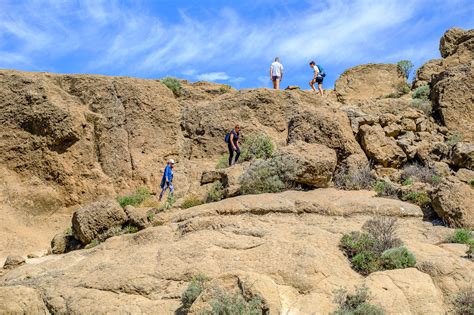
x=130, y=229
x=386, y=189
x=428, y=268
x=422, y=92
x=424, y=105
x=464, y=302
x=471, y=182
x=233, y=303
x=422, y=173
x=356, y=303
x=377, y=248
x=191, y=201
x=193, y=290
x=223, y=162
x=135, y=199
x=454, y=139
x=405, y=67
x=407, y=182
x=419, y=198
x=257, y=146
x=356, y=180
x=216, y=192
x=397, y=258
x=174, y=85
x=224, y=88
x=92, y=244
x=268, y=176
x=461, y=236
x=68, y=231
x=402, y=89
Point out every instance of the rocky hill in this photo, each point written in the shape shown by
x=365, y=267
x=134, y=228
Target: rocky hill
x=73, y=143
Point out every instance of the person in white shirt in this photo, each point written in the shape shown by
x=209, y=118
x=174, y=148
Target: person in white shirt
x=276, y=73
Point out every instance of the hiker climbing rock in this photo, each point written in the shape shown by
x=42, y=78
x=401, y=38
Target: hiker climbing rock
x=318, y=77
x=167, y=180
x=276, y=73
x=232, y=139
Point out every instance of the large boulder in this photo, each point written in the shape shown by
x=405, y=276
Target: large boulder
x=462, y=155
x=63, y=243
x=425, y=73
x=315, y=162
x=21, y=300
x=93, y=219
x=331, y=128
x=382, y=149
x=453, y=200
x=368, y=81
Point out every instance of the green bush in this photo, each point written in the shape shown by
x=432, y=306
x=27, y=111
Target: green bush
x=230, y=304
x=216, y=192
x=386, y=189
x=174, y=85
x=397, y=258
x=193, y=290
x=355, y=180
x=130, y=229
x=191, y=201
x=257, y=146
x=269, y=176
x=464, y=302
x=140, y=195
x=355, y=304
x=407, y=182
x=424, y=105
x=378, y=249
x=471, y=182
x=422, y=92
x=419, y=198
x=403, y=88
x=405, y=67
x=461, y=236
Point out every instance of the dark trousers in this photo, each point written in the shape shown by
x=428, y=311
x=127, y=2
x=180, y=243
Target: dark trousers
x=231, y=153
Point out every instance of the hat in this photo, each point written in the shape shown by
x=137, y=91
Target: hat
x=171, y=161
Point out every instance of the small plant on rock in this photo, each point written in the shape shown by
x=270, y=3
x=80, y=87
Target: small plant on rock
x=174, y=85
x=464, y=302
x=386, y=189
x=269, y=176
x=405, y=67
x=257, y=146
x=193, y=290
x=422, y=92
x=130, y=229
x=354, y=180
x=356, y=303
x=216, y=192
x=461, y=236
x=135, y=199
x=422, y=173
x=424, y=105
x=191, y=201
x=454, y=139
x=233, y=303
x=419, y=198
x=383, y=231
x=397, y=258
x=223, y=162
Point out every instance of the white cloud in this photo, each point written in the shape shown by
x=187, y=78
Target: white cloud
x=213, y=76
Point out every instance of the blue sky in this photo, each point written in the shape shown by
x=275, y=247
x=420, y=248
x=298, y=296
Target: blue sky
x=231, y=42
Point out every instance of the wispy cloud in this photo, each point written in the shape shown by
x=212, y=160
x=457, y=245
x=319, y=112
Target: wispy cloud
x=218, y=44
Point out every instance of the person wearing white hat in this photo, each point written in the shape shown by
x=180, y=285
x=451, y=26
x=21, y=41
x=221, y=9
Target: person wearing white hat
x=167, y=180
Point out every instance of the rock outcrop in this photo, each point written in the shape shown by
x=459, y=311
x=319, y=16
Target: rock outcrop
x=226, y=241
x=369, y=81
x=315, y=163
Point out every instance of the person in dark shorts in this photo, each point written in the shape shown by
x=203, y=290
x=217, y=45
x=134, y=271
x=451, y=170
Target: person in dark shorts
x=317, y=78
x=233, y=144
x=276, y=73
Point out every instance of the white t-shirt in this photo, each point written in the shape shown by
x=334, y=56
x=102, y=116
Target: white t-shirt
x=277, y=69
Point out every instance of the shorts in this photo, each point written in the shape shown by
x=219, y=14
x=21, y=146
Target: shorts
x=319, y=80
x=275, y=77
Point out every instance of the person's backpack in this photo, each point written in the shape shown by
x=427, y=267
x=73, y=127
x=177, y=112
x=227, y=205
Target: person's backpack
x=321, y=71
x=227, y=138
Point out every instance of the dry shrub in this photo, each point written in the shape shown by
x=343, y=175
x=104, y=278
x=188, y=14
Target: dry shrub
x=383, y=230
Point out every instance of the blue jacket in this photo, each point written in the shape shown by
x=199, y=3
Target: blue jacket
x=167, y=175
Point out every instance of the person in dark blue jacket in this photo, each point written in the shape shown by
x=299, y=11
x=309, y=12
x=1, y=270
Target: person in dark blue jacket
x=167, y=180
